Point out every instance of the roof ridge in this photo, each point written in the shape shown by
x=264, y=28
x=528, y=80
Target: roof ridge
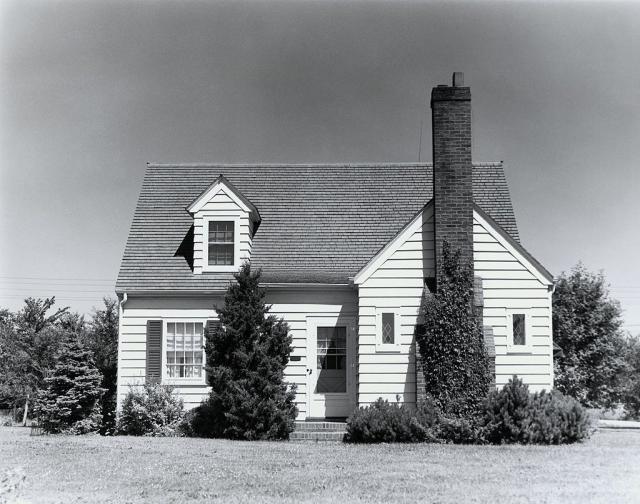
x=308, y=165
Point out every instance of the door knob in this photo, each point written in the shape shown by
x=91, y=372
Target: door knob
x=309, y=371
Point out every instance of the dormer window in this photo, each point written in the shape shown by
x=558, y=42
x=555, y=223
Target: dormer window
x=224, y=222
x=221, y=249
x=221, y=243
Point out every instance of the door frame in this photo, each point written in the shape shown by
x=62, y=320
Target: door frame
x=331, y=320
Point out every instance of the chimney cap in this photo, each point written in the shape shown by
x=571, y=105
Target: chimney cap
x=458, y=79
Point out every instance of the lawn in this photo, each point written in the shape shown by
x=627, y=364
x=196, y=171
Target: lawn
x=134, y=470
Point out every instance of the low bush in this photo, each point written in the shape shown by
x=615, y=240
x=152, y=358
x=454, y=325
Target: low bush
x=509, y=415
x=386, y=423
x=514, y=415
x=153, y=410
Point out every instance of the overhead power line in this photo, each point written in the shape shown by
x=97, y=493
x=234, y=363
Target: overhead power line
x=63, y=279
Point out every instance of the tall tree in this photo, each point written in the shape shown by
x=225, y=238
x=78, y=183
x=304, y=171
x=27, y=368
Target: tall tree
x=587, y=326
x=102, y=339
x=29, y=344
x=33, y=316
x=631, y=379
x=246, y=358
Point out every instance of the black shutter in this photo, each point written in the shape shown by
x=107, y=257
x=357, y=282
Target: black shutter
x=210, y=328
x=154, y=351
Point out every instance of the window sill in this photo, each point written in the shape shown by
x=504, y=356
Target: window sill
x=201, y=382
x=381, y=348
x=519, y=349
x=220, y=269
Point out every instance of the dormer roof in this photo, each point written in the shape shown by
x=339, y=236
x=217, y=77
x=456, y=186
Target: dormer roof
x=222, y=184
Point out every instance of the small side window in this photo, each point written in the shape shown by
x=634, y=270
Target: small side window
x=519, y=329
x=387, y=330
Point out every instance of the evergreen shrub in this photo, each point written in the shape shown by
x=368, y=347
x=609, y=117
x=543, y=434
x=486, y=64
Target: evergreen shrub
x=513, y=415
x=246, y=359
x=69, y=401
x=383, y=422
x=153, y=410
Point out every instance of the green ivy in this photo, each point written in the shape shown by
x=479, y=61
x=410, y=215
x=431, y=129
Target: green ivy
x=451, y=342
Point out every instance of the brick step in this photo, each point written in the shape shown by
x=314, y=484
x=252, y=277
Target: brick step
x=321, y=426
x=316, y=436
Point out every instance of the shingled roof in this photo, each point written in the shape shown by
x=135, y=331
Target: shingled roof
x=320, y=223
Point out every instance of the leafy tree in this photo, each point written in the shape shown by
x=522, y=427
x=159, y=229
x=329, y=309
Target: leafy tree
x=451, y=341
x=33, y=316
x=29, y=343
x=68, y=401
x=246, y=358
x=631, y=380
x=102, y=339
x=587, y=326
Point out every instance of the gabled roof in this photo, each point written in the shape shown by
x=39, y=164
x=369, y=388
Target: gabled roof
x=320, y=223
x=221, y=183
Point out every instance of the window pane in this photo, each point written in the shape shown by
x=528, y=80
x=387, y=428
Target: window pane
x=332, y=358
x=388, y=329
x=197, y=338
x=188, y=340
x=179, y=336
x=221, y=232
x=220, y=255
x=519, y=336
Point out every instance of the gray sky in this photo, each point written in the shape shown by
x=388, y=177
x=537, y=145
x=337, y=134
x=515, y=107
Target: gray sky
x=91, y=91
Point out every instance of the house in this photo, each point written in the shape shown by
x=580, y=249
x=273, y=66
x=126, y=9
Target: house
x=346, y=253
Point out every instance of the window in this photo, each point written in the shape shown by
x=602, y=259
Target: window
x=518, y=330
x=387, y=329
x=332, y=359
x=184, y=350
x=221, y=247
x=221, y=243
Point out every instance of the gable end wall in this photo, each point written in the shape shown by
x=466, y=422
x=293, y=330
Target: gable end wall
x=398, y=282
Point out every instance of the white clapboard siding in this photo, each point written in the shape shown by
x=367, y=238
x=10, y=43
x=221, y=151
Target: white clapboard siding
x=509, y=284
x=220, y=206
x=396, y=283
x=293, y=306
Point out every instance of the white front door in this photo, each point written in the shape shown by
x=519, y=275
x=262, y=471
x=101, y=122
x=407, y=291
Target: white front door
x=331, y=344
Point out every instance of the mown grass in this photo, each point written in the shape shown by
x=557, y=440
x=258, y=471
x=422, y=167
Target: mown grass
x=136, y=470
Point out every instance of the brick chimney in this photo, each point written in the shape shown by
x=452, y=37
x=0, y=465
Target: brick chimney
x=452, y=169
